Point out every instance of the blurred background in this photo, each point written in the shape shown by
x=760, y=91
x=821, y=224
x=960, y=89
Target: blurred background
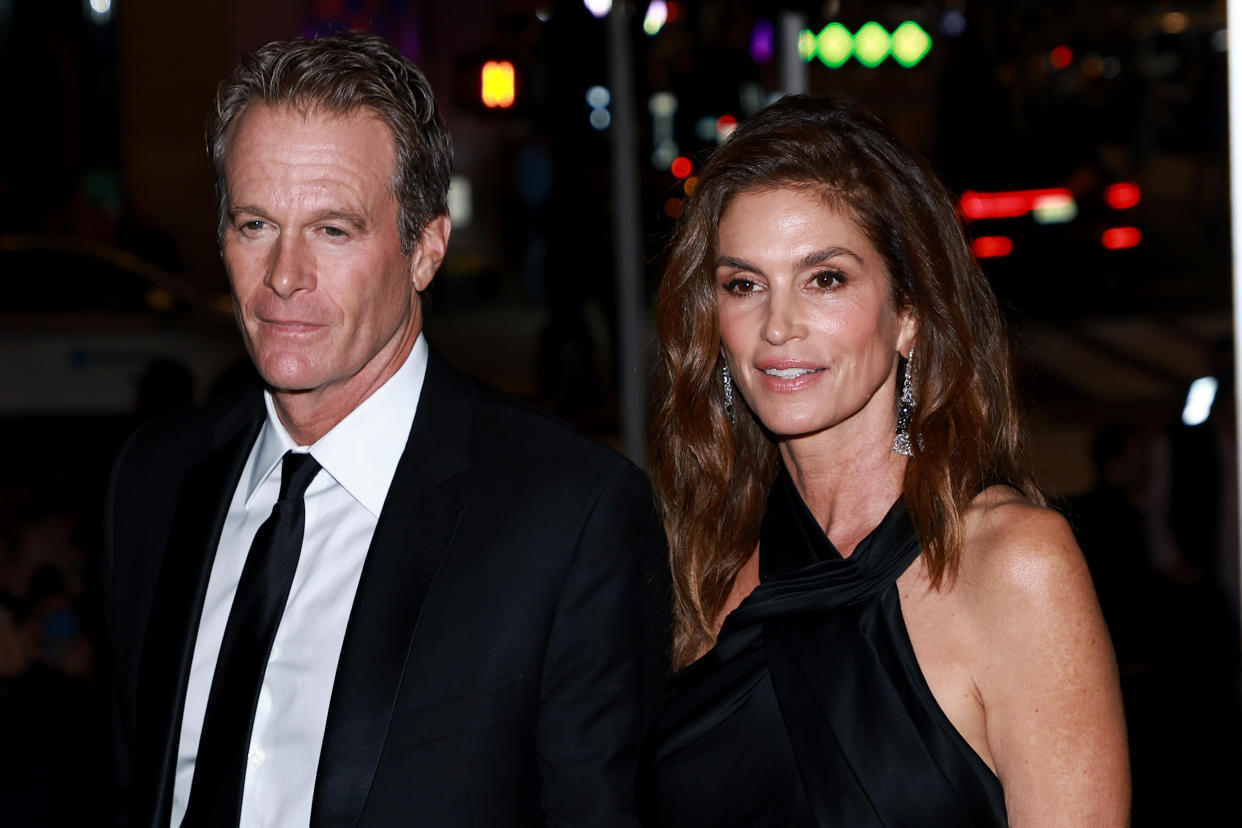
x=1087, y=143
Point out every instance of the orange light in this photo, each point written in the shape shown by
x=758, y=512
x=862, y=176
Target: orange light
x=689, y=184
x=1061, y=57
x=1119, y=238
x=681, y=166
x=499, y=84
x=992, y=247
x=674, y=207
x=1008, y=204
x=1122, y=195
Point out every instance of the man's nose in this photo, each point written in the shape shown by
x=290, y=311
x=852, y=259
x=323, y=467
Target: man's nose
x=292, y=267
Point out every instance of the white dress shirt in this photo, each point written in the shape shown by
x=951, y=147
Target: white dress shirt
x=343, y=503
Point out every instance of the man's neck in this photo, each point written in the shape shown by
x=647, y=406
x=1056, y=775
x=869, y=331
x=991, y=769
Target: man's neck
x=309, y=415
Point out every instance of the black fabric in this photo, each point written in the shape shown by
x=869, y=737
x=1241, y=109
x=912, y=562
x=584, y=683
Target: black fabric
x=259, y=602
x=811, y=710
x=506, y=641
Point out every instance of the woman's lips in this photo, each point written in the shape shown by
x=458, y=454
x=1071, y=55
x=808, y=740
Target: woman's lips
x=788, y=373
x=787, y=377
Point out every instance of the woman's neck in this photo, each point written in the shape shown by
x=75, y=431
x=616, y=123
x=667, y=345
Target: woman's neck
x=848, y=485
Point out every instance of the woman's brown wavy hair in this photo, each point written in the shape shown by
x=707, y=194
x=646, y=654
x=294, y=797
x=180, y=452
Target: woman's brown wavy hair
x=711, y=475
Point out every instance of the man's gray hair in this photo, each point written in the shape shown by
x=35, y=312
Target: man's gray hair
x=342, y=74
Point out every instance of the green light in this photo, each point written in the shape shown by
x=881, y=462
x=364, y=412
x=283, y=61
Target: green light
x=834, y=45
x=806, y=44
x=871, y=45
x=910, y=44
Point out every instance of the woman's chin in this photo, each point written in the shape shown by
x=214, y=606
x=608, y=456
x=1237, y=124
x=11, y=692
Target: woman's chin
x=785, y=429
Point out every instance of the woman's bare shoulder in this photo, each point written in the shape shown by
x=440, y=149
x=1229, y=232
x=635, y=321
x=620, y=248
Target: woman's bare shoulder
x=1015, y=549
x=1044, y=668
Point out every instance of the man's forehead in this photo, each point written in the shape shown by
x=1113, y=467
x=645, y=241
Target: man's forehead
x=281, y=155
x=359, y=138
x=309, y=112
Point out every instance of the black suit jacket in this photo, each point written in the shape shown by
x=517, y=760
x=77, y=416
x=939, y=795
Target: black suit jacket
x=508, y=629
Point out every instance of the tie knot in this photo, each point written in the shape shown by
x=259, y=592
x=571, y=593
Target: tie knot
x=297, y=470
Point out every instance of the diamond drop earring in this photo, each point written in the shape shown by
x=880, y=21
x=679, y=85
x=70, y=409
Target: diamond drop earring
x=901, y=442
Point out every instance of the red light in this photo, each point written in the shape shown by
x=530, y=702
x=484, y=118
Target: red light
x=1061, y=57
x=681, y=166
x=674, y=207
x=1119, y=238
x=1123, y=195
x=992, y=247
x=1005, y=205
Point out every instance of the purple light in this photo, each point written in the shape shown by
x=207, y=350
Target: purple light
x=409, y=42
x=762, y=41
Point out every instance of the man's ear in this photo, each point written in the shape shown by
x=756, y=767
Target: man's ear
x=429, y=252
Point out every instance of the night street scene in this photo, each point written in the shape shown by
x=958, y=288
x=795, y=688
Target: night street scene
x=1086, y=145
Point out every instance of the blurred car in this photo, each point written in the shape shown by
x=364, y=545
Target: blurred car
x=87, y=328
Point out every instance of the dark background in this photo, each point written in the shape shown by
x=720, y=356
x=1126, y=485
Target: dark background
x=113, y=307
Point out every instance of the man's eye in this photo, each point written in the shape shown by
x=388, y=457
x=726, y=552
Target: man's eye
x=334, y=232
x=252, y=226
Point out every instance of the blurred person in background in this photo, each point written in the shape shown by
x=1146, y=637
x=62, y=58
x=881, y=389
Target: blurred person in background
x=877, y=621
x=377, y=592
x=52, y=723
x=1172, y=631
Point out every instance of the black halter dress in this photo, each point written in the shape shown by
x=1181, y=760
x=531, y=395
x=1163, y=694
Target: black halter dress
x=811, y=709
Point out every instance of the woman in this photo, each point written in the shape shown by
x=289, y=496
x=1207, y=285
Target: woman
x=877, y=620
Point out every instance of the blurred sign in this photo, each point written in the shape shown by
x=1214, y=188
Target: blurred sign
x=870, y=45
x=499, y=84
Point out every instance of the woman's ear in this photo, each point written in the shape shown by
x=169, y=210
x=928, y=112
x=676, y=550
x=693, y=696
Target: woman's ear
x=907, y=331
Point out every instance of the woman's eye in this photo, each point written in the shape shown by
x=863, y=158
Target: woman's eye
x=739, y=286
x=828, y=279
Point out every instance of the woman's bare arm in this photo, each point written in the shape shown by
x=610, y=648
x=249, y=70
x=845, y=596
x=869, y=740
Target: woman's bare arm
x=1046, y=673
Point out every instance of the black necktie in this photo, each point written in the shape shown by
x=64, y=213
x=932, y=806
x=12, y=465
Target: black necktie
x=220, y=766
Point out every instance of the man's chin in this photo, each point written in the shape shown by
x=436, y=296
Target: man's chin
x=286, y=391
x=288, y=385
x=289, y=374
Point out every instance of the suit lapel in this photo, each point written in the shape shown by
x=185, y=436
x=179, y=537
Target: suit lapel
x=173, y=625
x=414, y=532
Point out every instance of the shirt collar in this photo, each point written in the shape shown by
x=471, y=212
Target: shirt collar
x=362, y=451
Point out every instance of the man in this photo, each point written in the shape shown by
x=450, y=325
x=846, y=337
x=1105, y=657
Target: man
x=377, y=593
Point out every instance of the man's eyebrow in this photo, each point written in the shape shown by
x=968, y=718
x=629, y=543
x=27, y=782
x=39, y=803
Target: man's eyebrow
x=245, y=209
x=347, y=216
